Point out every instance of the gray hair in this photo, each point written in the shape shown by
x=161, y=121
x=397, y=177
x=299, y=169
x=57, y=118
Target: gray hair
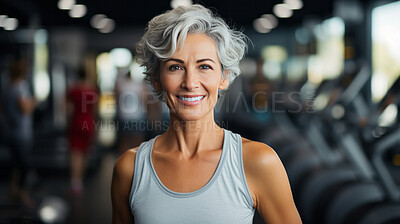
x=167, y=32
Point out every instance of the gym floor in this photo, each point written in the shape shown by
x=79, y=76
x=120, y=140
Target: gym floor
x=52, y=187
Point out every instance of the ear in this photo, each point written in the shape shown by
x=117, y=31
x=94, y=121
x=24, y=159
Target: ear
x=225, y=80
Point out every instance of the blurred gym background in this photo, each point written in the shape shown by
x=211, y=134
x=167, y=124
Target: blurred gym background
x=320, y=84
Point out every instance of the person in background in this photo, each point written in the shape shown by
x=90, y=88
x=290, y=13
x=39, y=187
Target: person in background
x=82, y=108
x=18, y=106
x=196, y=171
x=131, y=112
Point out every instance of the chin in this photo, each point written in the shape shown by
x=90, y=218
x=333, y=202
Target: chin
x=190, y=115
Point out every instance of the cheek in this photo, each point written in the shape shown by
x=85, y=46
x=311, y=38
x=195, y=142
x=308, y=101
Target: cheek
x=212, y=83
x=211, y=87
x=169, y=83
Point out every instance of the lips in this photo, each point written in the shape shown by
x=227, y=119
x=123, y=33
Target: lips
x=190, y=100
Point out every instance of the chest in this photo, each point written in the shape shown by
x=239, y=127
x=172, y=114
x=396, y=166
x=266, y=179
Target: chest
x=192, y=211
x=182, y=175
x=213, y=192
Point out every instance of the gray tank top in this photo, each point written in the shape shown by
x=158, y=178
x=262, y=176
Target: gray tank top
x=224, y=199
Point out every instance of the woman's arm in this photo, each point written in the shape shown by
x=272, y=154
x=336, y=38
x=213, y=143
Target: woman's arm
x=121, y=186
x=269, y=184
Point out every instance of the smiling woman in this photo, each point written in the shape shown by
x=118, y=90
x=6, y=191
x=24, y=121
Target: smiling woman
x=190, y=79
x=197, y=172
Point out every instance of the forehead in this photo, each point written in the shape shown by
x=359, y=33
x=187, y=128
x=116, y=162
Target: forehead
x=197, y=44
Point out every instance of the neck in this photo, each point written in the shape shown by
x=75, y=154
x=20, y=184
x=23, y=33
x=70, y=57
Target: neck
x=191, y=137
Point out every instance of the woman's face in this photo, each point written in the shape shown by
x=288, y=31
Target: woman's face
x=190, y=78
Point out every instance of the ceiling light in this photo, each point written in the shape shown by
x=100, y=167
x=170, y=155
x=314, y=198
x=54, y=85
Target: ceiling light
x=2, y=20
x=176, y=3
x=10, y=24
x=108, y=27
x=78, y=11
x=272, y=19
x=262, y=25
x=294, y=4
x=282, y=11
x=96, y=21
x=264, y=22
x=66, y=4
x=102, y=23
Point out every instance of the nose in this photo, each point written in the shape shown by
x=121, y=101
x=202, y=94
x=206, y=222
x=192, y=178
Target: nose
x=191, y=80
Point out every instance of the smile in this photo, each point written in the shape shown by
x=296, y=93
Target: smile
x=190, y=100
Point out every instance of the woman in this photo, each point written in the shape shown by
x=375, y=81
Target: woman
x=81, y=131
x=197, y=172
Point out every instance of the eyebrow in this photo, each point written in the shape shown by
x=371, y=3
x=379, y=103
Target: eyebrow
x=181, y=61
x=174, y=59
x=205, y=59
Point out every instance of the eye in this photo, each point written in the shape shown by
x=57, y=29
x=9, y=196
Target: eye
x=174, y=67
x=205, y=67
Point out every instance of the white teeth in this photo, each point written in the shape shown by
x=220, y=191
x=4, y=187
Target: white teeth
x=190, y=99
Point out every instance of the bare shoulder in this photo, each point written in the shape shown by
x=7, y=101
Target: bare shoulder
x=121, y=186
x=261, y=164
x=127, y=155
x=124, y=165
x=259, y=155
x=268, y=183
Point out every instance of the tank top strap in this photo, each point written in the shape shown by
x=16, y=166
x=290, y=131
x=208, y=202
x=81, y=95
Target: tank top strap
x=140, y=165
x=236, y=166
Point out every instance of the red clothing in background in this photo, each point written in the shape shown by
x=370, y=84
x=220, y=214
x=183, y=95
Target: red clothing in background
x=81, y=130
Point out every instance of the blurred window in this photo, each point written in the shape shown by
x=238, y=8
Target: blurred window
x=385, y=48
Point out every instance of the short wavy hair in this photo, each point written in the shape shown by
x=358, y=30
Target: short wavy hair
x=167, y=32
